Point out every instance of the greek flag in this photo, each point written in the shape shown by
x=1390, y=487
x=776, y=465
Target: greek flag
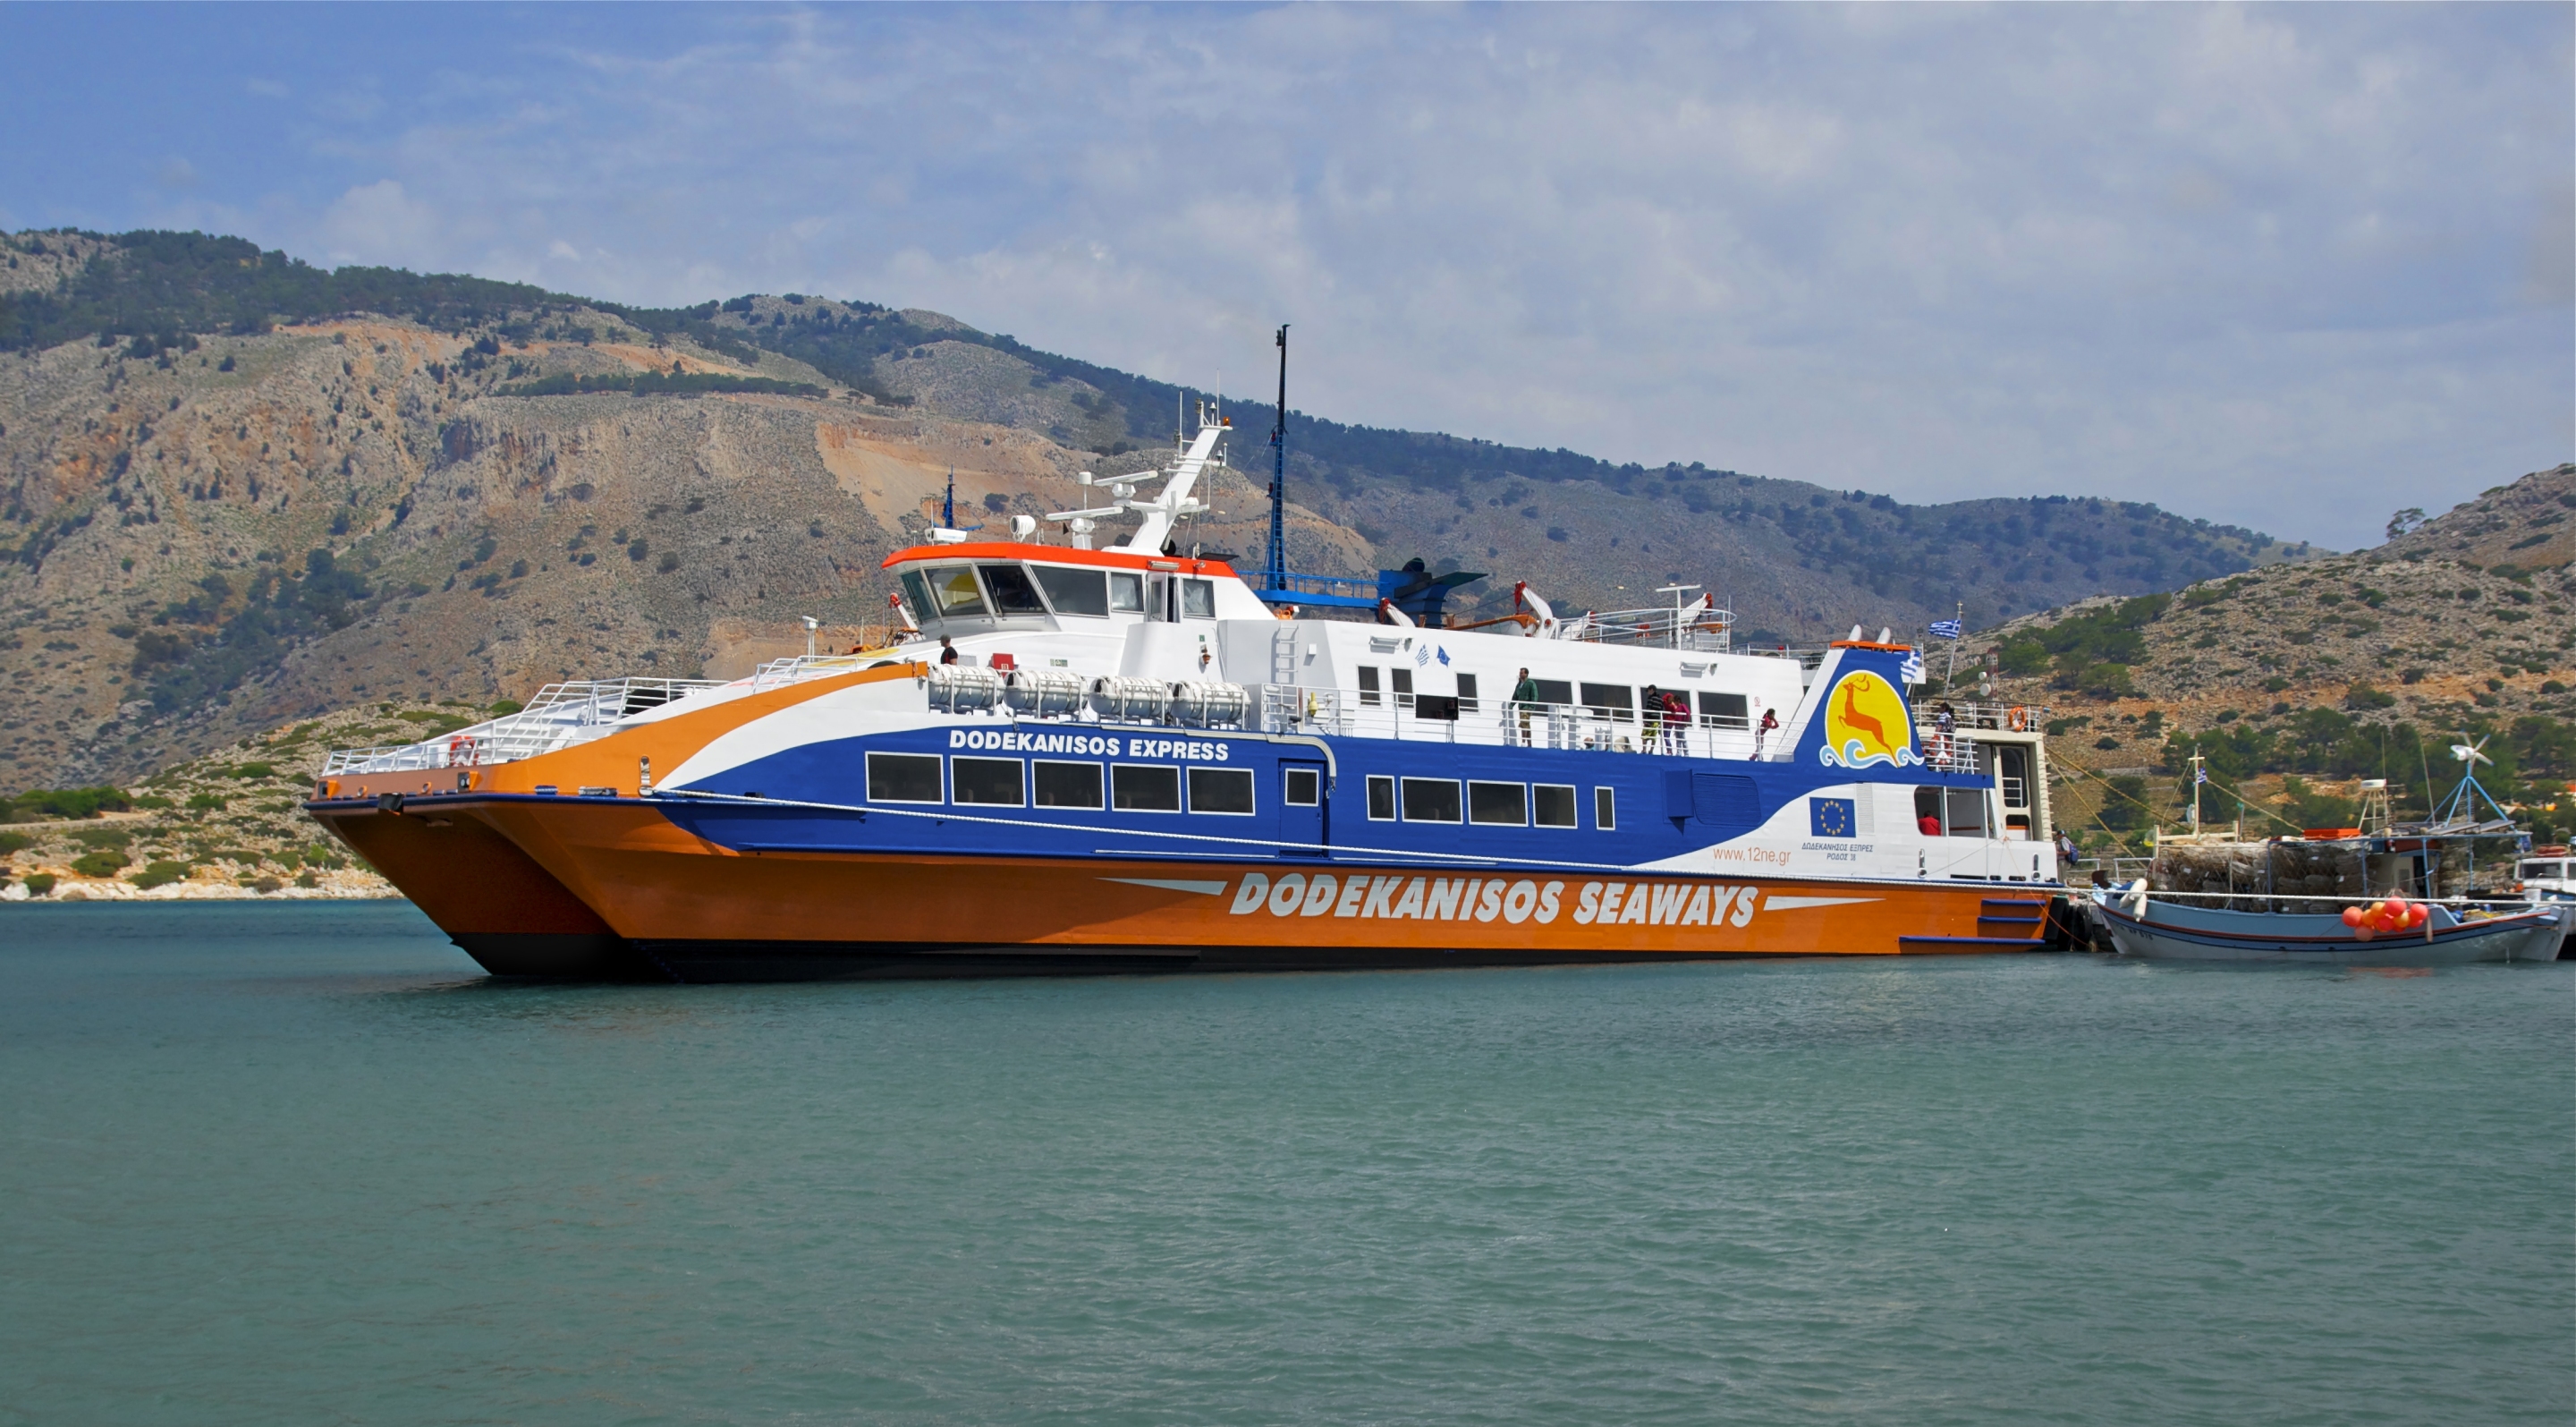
x=1422, y=657
x=1912, y=671
x=2199, y=776
x=1948, y=629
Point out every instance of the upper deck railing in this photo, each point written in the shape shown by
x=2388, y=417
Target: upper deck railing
x=560, y=716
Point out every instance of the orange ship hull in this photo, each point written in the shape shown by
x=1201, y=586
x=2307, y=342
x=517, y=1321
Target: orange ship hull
x=569, y=887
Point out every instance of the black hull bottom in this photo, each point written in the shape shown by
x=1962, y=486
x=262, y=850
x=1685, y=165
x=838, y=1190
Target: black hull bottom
x=560, y=956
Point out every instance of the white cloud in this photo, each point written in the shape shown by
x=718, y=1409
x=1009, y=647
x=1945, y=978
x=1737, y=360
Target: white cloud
x=2283, y=266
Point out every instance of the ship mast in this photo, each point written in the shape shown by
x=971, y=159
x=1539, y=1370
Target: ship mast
x=1274, y=560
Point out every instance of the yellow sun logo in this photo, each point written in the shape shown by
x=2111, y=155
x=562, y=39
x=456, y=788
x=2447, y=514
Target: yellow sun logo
x=1866, y=722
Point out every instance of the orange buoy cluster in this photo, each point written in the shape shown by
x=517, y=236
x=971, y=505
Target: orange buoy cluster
x=2394, y=914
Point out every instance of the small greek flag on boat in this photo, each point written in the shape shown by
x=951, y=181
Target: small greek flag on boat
x=2199, y=776
x=1422, y=656
x=1912, y=670
x=1948, y=629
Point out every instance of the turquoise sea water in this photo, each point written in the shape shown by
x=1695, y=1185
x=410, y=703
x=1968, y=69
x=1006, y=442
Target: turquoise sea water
x=301, y=1164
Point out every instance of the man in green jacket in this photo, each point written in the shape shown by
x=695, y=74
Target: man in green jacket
x=1524, y=698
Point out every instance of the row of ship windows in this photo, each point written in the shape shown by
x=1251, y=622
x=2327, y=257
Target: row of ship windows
x=1616, y=702
x=956, y=592
x=1159, y=788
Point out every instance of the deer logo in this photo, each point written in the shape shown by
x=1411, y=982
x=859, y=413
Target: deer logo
x=1866, y=723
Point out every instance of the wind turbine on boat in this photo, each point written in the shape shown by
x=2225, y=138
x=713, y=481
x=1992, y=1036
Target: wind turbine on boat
x=2460, y=810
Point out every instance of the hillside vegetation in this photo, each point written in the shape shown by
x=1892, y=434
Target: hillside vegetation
x=237, y=490
x=2297, y=681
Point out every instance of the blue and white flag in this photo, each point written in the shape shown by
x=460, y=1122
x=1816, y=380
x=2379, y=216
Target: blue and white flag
x=2199, y=776
x=1912, y=670
x=1422, y=657
x=1948, y=629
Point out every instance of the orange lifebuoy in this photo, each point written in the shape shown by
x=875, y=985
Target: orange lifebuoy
x=460, y=750
x=2018, y=720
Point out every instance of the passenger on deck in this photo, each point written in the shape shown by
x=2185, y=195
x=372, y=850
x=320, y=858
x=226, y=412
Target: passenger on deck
x=947, y=651
x=1762, y=731
x=1677, y=719
x=1524, y=697
x=1651, y=711
x=1929, y=825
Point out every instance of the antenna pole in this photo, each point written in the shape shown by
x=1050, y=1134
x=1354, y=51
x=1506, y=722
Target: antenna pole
x=1274, y=572
x=948, y=507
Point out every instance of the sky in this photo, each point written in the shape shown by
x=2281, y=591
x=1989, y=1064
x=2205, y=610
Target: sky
x=2291, y=268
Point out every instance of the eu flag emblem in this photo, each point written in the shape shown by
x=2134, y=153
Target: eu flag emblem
x=1830, y=817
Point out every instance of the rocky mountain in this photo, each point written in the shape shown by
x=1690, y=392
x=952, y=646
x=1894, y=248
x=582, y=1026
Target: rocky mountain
x=237, y=491
x=2298, y=680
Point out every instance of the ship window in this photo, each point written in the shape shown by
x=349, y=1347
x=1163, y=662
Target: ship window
x=991, y=782
x=1368, y=687
x=1198, y=599
x=1967, y=812
x=1067, y=785
x=1430, y=800
x=1724, y=711
x=1403, y=688
x=923, y=611
x=1500, y=804
x=953, y=588
x=1610, y=701
x=1145, y=788
x=903, y=777
x=1011, y=591
x=1605, y=809
x=1126, y=592
x=1466, y=693
x=1074, y=592
x=1553, y=692
x=1304, y=788
x=1381, y=799
x=1554, y=804
x=1221, y=790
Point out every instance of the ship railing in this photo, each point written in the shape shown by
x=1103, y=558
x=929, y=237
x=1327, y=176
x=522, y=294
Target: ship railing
x=1703, y=631
x=1807, y=659
x=1427, y=718
x=560, y=716
x=799, y=668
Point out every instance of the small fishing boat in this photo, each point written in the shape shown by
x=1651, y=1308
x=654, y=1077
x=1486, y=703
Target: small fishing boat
x=2148, y=925
x=2382, y=894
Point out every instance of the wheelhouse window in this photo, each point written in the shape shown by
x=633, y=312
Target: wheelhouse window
x=1617, y=702
x=1498, y=804
x=1553, y=803
x=1074, y=591
x=1221, y=790
x=986, y=782
x=953, y=590
x=1011, y=590
x=1724, y=711
x=1126, y=592
x=1198, y=599
x=1302, y=788
x=1381, y=799
x=1066, y=785
x=1430, y=800
x=1466, y=693
x=1145, y=788
x=903, y=777
x=1605, y=809
x=1369, y=688
x=924, y=610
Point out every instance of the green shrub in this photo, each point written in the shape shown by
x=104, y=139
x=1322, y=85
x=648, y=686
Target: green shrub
x=2363, y=696
x=255, y=770
x=99, y=864
x=103, y=837
x=205, y=802
x=68, y=803
x=505, y=706
x=161, y=874
x=154, y=801
x=308, y=880
x=39, y=883
x=14, y=842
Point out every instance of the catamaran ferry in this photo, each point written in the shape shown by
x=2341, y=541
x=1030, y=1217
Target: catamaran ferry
x=1132, y=759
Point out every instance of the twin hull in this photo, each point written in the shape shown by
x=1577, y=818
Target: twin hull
x=774, y=865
